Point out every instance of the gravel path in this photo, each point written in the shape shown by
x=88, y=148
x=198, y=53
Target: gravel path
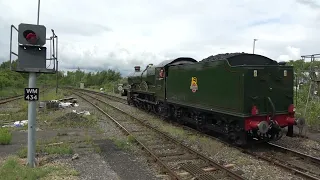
x=92, y=166
x=250, y=166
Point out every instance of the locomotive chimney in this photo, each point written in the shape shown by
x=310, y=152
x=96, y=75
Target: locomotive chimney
x=137, y=68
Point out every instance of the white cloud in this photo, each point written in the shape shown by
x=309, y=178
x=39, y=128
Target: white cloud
x=293, y=52
x=102, y=34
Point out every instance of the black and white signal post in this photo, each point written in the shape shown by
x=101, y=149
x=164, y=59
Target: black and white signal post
x=32, y=58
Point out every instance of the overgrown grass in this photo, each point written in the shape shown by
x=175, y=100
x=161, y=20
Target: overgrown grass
x=73, y=120
x=312, y=115
x=63, y=119
x=175, y=131
x=13, y=91
x=61, y=149
x=11, y=116
x=123, y=144
x=52, y=95
x=131, y=139
x=5, y=136
x=13, y=169
x=10, y=91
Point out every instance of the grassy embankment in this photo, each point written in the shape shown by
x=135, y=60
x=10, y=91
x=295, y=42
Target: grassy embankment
x=14, y=166
x=8, y=92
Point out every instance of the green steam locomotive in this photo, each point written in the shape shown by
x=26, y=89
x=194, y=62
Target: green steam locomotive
x=246, y=97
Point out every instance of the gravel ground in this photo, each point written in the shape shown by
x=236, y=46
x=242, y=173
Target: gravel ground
x=92, y=166
x=129, y=163
x=303, y=145
x=10, y=106
x=99, y=159
x=306, y=131
x=250, y=166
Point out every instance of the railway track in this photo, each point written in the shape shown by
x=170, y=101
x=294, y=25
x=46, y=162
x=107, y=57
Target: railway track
x=301, y=164
x=176, y=159
x=295, y=162
x=9, y=99
x=12, y=98
x=115, y=98
x=298, y=163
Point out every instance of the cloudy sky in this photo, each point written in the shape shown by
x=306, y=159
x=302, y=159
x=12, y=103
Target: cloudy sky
x=119, y=34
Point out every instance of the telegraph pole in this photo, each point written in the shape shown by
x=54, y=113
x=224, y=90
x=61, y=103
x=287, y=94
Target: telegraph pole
x=38, y=12
x=56, y=57
x=254, y=45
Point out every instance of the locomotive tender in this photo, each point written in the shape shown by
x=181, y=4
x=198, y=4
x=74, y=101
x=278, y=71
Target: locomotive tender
x=243, y=96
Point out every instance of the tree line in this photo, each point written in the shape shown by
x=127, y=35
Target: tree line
x=106, y=79
x=12, y=81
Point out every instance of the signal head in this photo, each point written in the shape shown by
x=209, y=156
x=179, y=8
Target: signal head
x=32, y=34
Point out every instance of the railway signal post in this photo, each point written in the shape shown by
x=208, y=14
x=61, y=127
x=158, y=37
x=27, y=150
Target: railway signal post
x=32, y=59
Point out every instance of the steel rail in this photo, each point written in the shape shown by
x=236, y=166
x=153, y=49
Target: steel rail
x=12, y=98
x=270, y=160
x=9, y=99
x=293, y=169
x=119, y=99
x=170, y=138
x=301, y=155
x=172, y=174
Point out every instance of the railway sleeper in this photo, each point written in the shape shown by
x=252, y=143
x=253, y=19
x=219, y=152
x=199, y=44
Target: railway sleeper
x=137, y=131
x=201, y=172
x=143, y=133
x=295, y=164
x=155, y=143
x=178, y=158
x=160, y=146
x=133, y=127
x=168, y=154
x=146, y=137
x=183, y=157
x=169, y=150
x=149, y=139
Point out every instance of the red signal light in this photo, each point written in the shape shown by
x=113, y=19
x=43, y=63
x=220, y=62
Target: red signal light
x=30, y=36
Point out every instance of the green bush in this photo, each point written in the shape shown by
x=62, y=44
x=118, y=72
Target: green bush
x=5, y=136
x=311, y=113
x=57, y=149
x=12, y=169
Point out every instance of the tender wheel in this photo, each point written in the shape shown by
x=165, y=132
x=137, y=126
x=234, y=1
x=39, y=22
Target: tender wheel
x=201, y=123
x=177, y=115
x=237, y=139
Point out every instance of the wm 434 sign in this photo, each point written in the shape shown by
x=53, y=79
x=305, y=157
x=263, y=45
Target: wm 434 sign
x=31, y=94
